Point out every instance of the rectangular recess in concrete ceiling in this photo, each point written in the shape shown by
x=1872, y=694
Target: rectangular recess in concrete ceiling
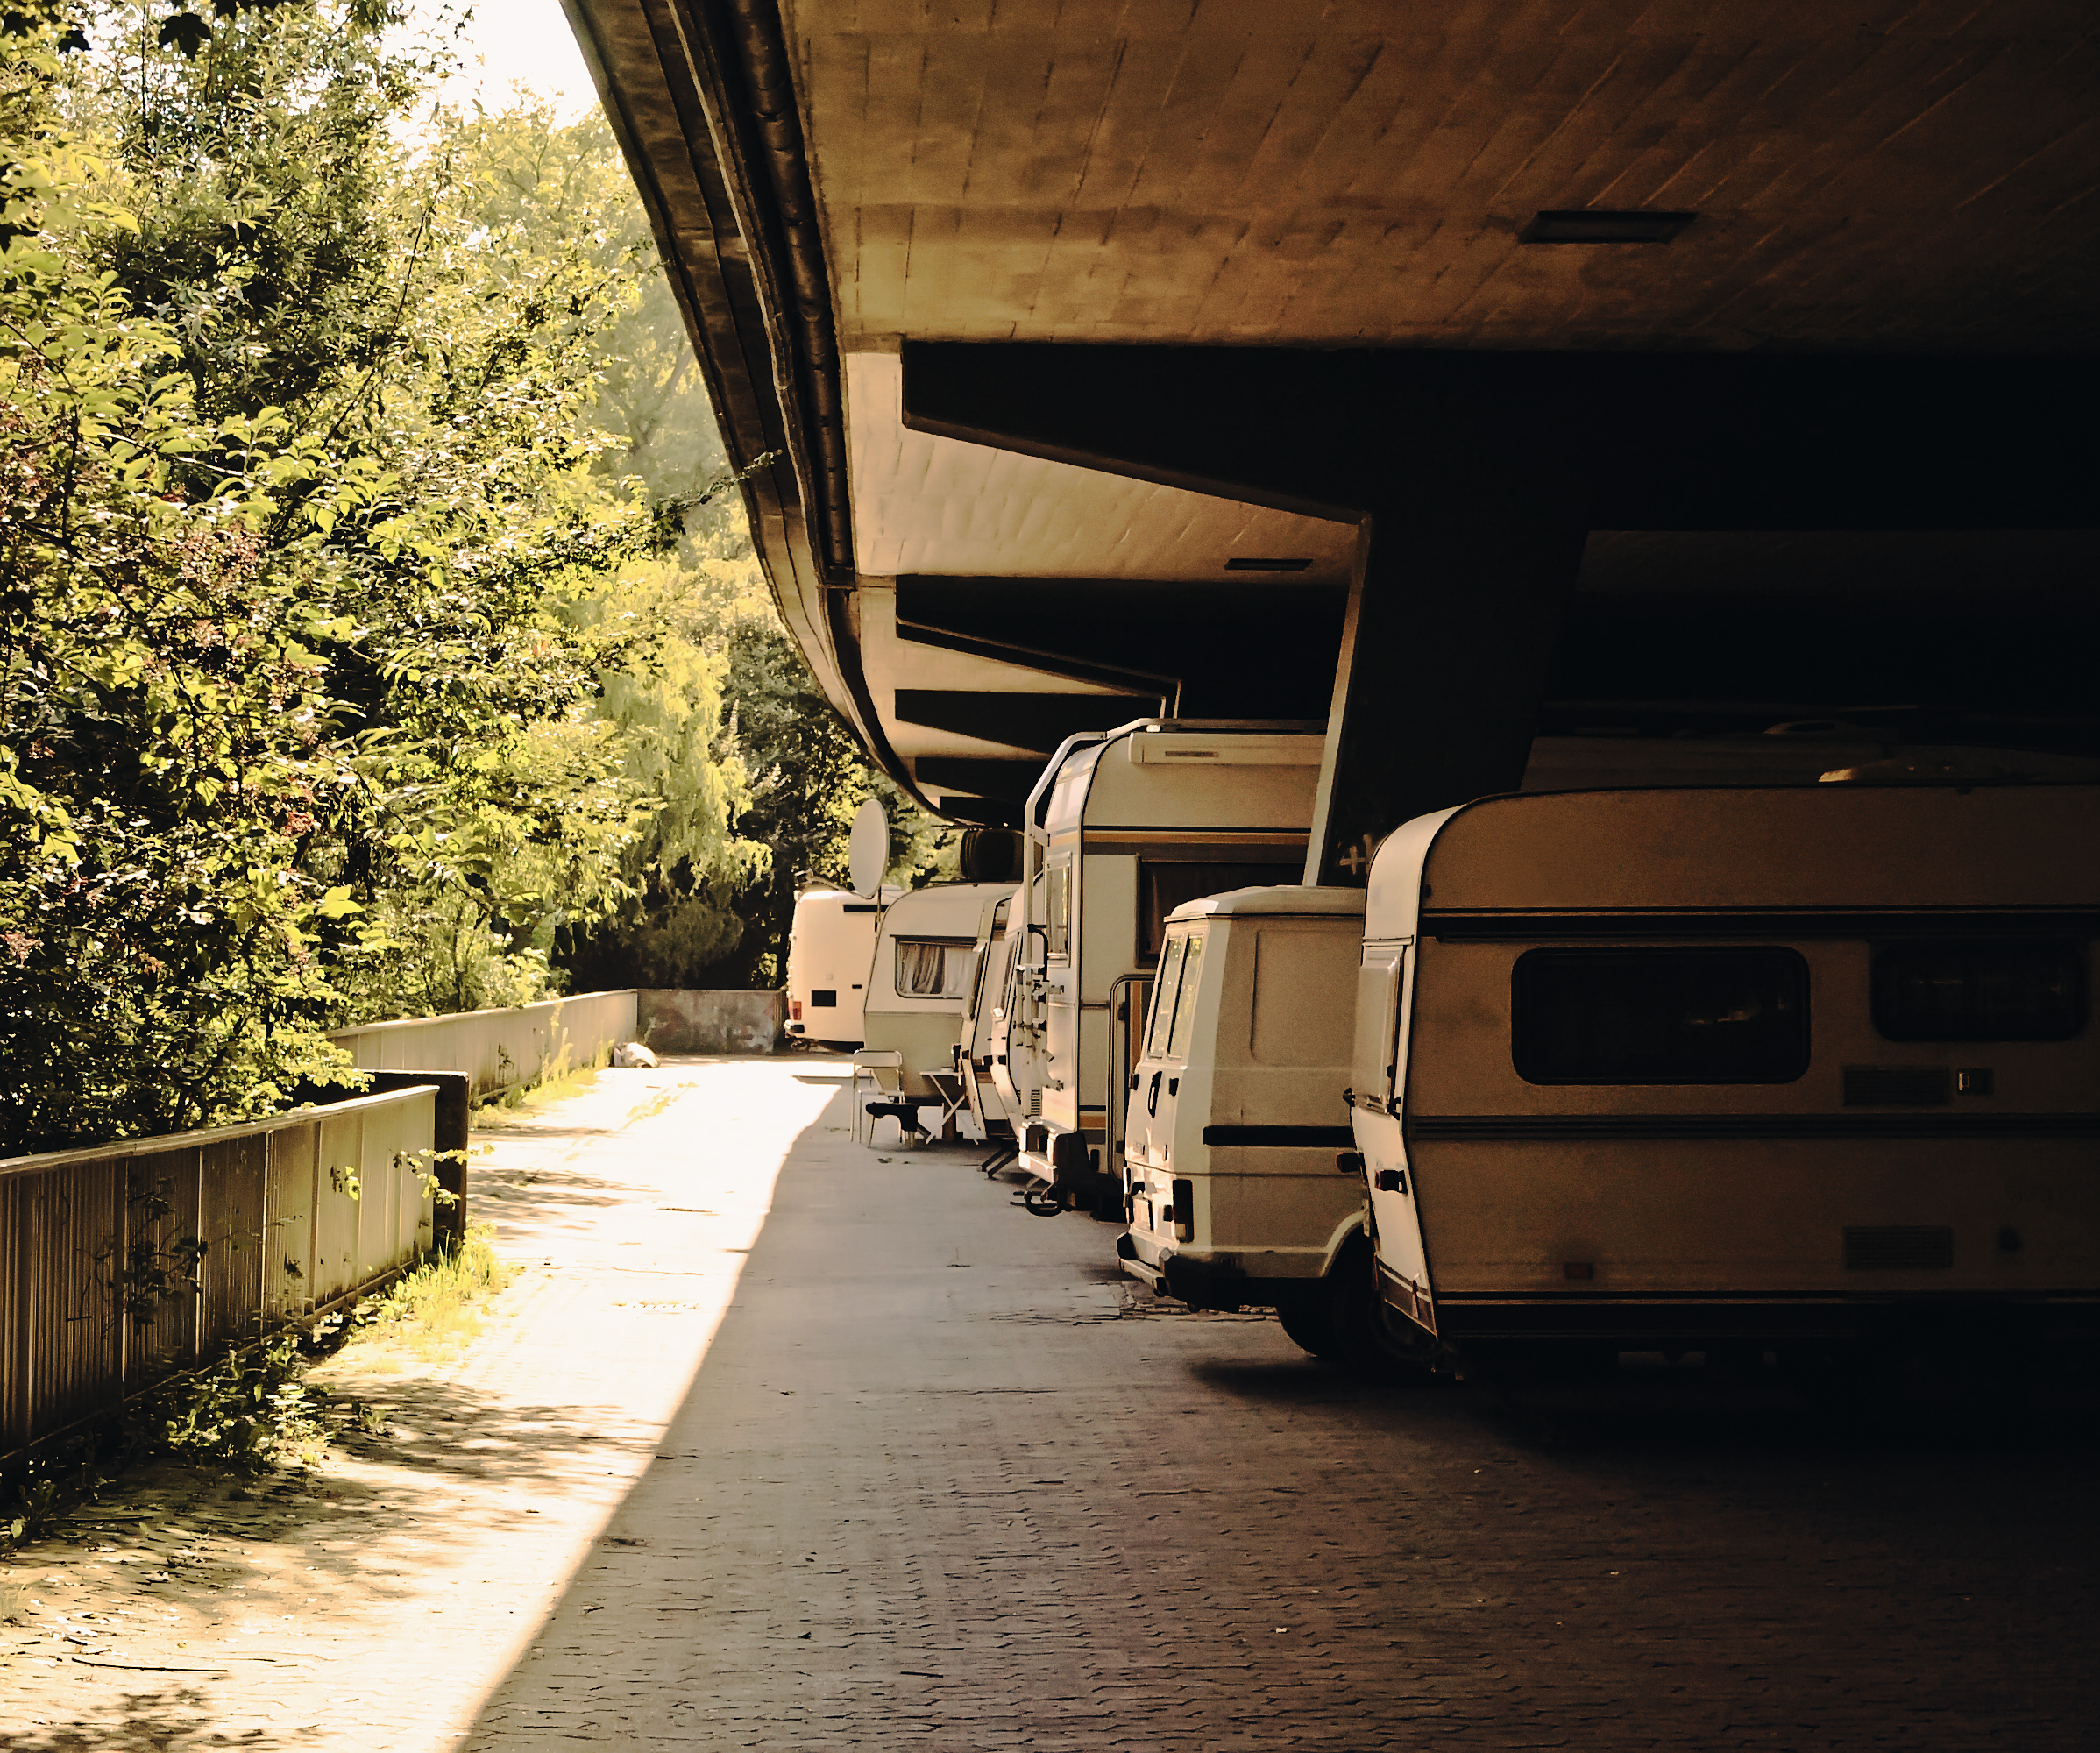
x=1601, y=226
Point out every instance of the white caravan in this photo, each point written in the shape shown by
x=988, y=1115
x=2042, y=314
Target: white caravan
x=829, y=947
x=981, y=1036
x=1245, y=1189
x=1808, y=1069
x=922, y=981
x=1123, y=826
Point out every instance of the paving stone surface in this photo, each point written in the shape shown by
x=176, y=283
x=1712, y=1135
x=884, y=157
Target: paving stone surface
x=917, y=1471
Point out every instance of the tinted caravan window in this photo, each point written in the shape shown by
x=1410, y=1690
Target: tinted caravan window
x=1979, y=991
x=1659, y=1016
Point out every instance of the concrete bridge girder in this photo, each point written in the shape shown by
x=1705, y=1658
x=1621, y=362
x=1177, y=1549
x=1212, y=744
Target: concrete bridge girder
x=1191, y=209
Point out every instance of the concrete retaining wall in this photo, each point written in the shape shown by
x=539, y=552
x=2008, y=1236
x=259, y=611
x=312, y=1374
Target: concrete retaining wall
x=499, y=1050
x=675, y=1019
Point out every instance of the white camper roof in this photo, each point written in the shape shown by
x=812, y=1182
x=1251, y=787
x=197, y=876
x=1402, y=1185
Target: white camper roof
x=1284, y=898
x=1737, y=850
x=943, y=909
x=1186, y=773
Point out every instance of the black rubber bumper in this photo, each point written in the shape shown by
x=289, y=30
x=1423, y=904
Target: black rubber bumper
x=1205, y=1284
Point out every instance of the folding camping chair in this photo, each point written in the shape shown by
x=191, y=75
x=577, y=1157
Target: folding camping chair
x=884, y=1069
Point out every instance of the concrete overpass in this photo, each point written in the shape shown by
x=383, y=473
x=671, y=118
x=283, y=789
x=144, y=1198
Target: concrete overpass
x=1451, y=372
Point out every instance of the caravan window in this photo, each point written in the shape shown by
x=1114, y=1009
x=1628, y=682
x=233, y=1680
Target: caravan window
x=929, y=968
x=1659, y=1016
x=1184, y=1002
x=1163, y=993
x=1057, y=906
x=1979, y=991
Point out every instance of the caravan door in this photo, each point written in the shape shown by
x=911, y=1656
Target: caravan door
x=1378, y=1096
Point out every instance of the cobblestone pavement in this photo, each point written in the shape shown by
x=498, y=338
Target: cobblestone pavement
x=941, y=1481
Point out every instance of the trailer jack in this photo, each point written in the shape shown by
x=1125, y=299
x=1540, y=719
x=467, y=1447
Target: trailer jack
x=1042, y=1199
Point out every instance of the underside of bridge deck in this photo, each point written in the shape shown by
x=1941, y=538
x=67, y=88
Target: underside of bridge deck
x=1456, y=371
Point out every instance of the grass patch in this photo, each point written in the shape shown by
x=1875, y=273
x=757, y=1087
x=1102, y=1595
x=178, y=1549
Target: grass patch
x=431, y=1313
x=523, y=1099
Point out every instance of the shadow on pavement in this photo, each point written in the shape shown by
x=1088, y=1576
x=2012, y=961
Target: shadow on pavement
x=177, y=1720
x=934, y=1484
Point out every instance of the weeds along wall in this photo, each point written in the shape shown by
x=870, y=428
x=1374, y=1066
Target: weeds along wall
x=123, y=1265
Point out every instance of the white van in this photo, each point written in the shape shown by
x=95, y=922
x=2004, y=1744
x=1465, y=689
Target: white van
x=1808, y=1069
x=1123, y=826
x=922, y=979
x=1246, y=1188
x=829, y=947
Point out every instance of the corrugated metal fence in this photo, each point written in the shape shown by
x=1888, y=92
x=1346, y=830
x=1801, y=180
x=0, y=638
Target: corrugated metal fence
x=122, y=1264
x=499, y=1050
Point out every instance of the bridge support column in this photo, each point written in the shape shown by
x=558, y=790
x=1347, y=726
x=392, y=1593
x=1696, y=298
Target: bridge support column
x=1444, y=653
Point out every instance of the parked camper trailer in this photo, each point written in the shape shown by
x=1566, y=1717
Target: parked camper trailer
x=1808, y=1069
x=982, y=1033
x=830, y=945
x=1244, y=1184
x=1123, y=826
x=923, y=978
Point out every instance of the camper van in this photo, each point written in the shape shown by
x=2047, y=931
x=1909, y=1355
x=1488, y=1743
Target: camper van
x=1245, y=1190
x=1123, y=826
x=1810, y=1069
x=829, y=946
x=923, y=982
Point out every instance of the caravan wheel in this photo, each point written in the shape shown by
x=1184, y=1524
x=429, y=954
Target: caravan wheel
x=1310, y=1326
x=1369, y=1336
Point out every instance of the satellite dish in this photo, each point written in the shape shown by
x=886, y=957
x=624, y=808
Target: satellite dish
x=869, y=857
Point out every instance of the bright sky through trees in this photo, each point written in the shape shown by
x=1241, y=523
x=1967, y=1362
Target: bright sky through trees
x=509, y=42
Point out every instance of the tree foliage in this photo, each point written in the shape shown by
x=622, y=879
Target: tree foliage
x=379, y=633
x=346, y=668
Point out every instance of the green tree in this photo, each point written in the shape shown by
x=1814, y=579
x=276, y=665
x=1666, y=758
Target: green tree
x=162, y=956
x=339, y=673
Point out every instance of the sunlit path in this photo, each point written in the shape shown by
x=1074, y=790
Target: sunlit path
x=375, y=1609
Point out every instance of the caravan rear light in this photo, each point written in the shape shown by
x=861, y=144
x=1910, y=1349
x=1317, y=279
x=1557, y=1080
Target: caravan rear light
x=794, y=1010
x=1183, y=1210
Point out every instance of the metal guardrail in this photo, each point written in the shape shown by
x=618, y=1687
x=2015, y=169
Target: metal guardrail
x=122, y=1264
x=499, y=1050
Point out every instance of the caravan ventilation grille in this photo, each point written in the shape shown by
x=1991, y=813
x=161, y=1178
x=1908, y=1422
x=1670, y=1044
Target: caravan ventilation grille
x=1898, y=1086
x=1899, y=1247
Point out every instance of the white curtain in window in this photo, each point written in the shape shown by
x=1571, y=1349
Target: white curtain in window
x=928, y=970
